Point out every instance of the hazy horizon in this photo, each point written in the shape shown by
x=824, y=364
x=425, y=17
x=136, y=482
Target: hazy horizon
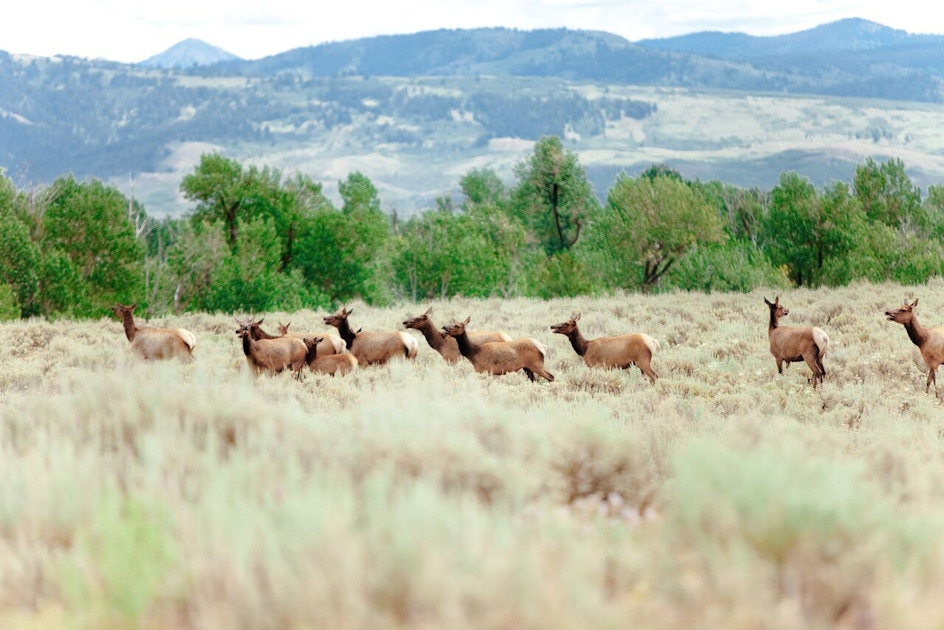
x=128, y=32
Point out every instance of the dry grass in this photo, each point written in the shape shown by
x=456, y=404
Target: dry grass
x=424, y=495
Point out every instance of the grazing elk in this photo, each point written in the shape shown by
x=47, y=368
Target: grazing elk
x=930, y=341
x=445, y=345
x=791, y=344
x=271, y=355
x=372, y=347
x=156, y=343
x=332, y=343
x=328, y=363
x=611, y=352
x=501, y=357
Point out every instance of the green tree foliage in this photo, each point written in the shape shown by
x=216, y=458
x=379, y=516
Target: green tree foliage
x=803, y=230
x=648, y=225
x=728, y=266
x=553, y=198
x=225, y=191
x=477, y=253
x=341, y=254
x=19, y=255
x=89, y=238
x=889, y=196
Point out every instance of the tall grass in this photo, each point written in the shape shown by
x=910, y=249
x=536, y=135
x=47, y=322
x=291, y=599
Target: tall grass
x=424, y=495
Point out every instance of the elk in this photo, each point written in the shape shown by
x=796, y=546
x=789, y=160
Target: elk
x=501, y=357
x=271, y=355
x=791, y=344
x=156, y=343
x=445, y=345
x=372, y=347
x=930, y=341
x=329, y=363
x=611, y=352
x=332, y=343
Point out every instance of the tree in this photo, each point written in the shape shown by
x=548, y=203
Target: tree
x=888, y=195
x=220, y=188
x=87, y=225
x=554, y=198
x=482, y=186
x=648, y=225
x=19, y=255
x=802, y=230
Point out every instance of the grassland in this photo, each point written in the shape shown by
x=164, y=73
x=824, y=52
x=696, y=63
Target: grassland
x=427, y=496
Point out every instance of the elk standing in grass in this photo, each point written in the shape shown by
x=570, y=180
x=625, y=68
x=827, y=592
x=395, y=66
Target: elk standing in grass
x=791, y=344
x=372, y=347
x=611, y=352
x=271, y=355
x=156, y=343
x=930, y=341
x=329, y=363
x=501, y=357
x=445, y=345
x=332, y=343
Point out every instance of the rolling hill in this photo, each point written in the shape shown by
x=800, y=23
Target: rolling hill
x=416, y=112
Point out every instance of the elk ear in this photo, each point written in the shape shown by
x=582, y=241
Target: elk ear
x=348, y=311
x=915, y=303
x=261, y=319
x=467, y=320
x=767, y=302
x=133, y=306
x=577, y=317
x=428, y=311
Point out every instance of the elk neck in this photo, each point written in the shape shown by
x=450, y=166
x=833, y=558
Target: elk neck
x=916, y=332
x=130, y=329
x=578, y=341
x=433, y=337
x=345, y=332
x=773, y=322
x=466, y=347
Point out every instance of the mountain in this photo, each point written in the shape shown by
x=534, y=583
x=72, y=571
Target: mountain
x=415, y=112
x=187, y=54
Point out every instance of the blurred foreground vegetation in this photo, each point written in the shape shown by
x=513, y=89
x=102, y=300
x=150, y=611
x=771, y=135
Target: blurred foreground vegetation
x=423, y=495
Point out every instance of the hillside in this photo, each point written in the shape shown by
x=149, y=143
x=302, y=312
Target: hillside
x=415, y=112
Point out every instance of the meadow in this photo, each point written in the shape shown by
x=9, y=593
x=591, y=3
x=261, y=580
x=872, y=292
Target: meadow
x=423, y=495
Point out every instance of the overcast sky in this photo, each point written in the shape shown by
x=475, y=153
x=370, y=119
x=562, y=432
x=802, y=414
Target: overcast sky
x=132, y=30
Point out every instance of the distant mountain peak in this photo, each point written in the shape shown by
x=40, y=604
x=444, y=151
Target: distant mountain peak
x=188, y=53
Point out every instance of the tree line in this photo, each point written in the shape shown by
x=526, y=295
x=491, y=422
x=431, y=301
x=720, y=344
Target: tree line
x=257, y=240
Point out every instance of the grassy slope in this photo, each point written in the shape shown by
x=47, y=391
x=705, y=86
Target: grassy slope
x=423, y=495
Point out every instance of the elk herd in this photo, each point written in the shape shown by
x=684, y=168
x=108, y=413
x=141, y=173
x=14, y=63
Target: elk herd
x=491, y=352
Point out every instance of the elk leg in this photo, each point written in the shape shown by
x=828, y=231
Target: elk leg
x=529, y=373
x=812, y=360
x=646, y=368
x=545, y=374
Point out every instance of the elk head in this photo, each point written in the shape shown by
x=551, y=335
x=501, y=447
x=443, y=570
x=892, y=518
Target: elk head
x=903, y=315
x=568, y=327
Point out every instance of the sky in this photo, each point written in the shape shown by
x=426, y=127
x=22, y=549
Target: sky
x=131, y=30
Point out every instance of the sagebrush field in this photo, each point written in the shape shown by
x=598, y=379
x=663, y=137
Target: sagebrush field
x=423, y=495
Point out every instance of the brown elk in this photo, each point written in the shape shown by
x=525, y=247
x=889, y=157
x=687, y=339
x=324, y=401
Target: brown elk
x=501, y=357
x=611, y=352
x=791, y=344
x=271, y=355
x=445, y=345
x=329, y=363
x=930, y=341
x=156, y=343
x=372, y=347
x=332, y=344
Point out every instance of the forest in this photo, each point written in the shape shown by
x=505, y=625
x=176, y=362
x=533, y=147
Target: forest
x=256, y=240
